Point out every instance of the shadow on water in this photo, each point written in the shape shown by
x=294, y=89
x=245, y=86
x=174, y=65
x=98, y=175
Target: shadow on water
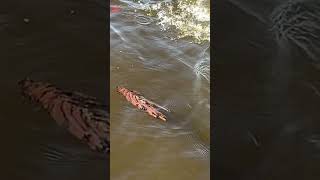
x=266, y=117
x=64, y=43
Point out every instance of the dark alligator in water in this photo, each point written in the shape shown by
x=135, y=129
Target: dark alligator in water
x=142, y=103
x=84, y=117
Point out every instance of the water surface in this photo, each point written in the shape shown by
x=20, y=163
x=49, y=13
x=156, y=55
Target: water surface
x=266, y=93
x=64, y=43
x=172, y=73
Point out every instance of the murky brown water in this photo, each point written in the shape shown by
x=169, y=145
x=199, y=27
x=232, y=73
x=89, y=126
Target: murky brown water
x=62, y=42
x=267, y=104
x=143, y=59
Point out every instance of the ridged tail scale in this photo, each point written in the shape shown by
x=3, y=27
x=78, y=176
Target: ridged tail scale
x=142, y=103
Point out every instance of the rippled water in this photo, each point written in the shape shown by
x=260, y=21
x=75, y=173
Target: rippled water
x=292, y=22
x=174, y=74
x=188, y=18
x=62, y=42
x=267, y=98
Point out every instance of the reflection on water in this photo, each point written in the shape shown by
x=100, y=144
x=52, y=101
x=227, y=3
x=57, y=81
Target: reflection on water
x=174, y=74
x=298, y=22
x=267, y=98
x=187, y=18
x=295, y=22
x=62, y=43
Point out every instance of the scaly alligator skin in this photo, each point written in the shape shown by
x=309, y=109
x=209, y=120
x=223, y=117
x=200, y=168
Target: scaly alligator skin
x=84, y=117
x=142, y=103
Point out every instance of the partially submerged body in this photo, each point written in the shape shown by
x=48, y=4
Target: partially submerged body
x=142, y=103
x=81, y=115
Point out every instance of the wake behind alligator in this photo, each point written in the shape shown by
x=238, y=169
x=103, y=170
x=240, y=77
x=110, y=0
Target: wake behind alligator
x=171, y=127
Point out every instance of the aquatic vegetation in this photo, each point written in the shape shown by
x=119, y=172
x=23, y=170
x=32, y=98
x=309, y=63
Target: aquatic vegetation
x=298, y=22
x=188, y=18
x=80, y=114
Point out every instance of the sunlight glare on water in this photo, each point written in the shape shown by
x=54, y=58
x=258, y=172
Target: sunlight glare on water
x=174, y=73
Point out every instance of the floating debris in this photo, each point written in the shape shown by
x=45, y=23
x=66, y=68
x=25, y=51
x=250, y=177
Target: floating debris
x=115, y=9
x=72, y=12
x=26, y=20
x=254, y=139
x=143, y=20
